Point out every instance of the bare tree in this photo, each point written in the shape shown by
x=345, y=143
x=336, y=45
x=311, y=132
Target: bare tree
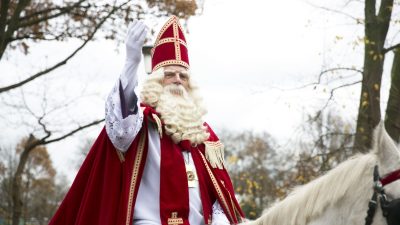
x=31, y=143
x=376, y=22
x=39, y=190
x=376, y=26
x=25, y=22
x=263, y=172
x=253, y=163
x=84, y=149
x=325, y=142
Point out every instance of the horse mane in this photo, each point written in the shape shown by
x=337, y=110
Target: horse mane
x=310, y=200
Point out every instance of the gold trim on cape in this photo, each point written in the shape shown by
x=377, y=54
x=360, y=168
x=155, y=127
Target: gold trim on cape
x=136, y=166
x=236, y=211
x=120, y=156
x=217, y=187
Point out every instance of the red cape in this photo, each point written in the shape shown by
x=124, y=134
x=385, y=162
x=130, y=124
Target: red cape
x=99, y=192
x=105, y=188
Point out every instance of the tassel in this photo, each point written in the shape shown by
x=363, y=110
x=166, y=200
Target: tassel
x=159, y=124
x=215, y=154
x=155, y=117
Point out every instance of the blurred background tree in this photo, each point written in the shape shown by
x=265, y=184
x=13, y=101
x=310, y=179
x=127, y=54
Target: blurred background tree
x=253, y=161
x=263, y=172
x=40, y=189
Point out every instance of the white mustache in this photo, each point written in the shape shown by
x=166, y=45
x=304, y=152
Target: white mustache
x=175, y=89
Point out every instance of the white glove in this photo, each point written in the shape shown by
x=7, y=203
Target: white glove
x=134, y=41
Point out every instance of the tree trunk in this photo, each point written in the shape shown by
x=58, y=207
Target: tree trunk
x=8, y=30
x=17, y=180
x=369, y=112
x=3, y=22
x=392, y=120
x=32, y=143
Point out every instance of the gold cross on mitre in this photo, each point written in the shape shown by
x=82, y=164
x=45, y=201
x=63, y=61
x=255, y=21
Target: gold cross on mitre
x=174, y=220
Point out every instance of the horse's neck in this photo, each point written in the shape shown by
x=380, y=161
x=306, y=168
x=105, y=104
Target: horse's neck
x=338, y=198
x=348, y=211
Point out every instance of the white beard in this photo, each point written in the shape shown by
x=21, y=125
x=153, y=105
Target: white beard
x=180, y=111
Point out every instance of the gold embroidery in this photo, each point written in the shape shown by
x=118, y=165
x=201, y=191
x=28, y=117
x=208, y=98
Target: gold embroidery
x=136, y=165
x=191, y=176
x=179, y=24
x=170, y=62
x=236, y=211
x=120, y=156
x=176, y=43
x=216, y=185
x=166, y=25
x=193, y=181
x=168, y=40
x=174, y=220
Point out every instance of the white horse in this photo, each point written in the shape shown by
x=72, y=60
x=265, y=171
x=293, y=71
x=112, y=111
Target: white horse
x=341, y=196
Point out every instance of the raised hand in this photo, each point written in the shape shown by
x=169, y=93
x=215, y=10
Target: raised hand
x=136, y=36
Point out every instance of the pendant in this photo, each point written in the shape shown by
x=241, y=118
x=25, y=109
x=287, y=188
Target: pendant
x=191, y=176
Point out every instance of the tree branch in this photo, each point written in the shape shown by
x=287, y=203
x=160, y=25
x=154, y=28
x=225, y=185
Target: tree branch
x=32, y=37
x=63, y=62
x=44, y=141
x=385, y=10
x=370, y=11
x=49, y=10
x=384, y=15
x=323, y=72
x=44, y=18
x=350, y=1
x=358, y=20
x=386, y=50
x=48, y=133
x=331, y=96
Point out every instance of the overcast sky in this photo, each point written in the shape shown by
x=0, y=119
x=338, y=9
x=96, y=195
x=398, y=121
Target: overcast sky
x=248, y=58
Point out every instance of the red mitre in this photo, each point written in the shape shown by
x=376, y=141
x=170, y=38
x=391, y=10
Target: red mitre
x=170, y=47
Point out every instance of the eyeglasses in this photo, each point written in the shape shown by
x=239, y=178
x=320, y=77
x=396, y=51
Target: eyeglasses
x=183, y=75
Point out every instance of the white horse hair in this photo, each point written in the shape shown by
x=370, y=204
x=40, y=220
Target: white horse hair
x=341, y=196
